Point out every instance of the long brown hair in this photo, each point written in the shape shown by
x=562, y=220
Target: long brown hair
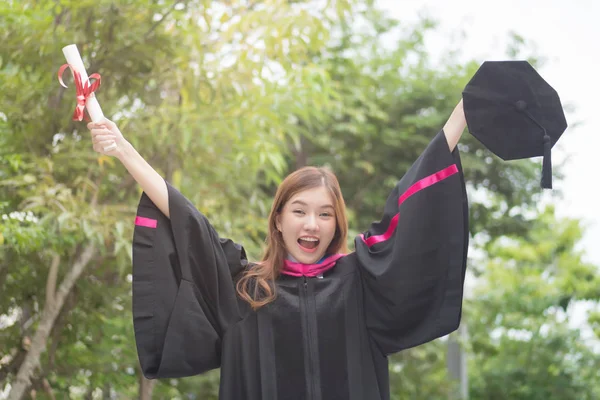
x=256, y=285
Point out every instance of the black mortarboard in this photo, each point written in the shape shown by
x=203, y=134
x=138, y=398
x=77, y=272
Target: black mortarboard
x=514, y=112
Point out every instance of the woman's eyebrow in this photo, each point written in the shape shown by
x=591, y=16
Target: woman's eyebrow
x=302, y=203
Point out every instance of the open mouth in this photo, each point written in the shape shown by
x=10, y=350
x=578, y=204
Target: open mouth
x=308, y=244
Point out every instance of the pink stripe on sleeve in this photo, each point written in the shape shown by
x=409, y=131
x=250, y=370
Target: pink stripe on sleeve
x=371, y=240
x=147, y=222
x=428, y=181
x=414, y=188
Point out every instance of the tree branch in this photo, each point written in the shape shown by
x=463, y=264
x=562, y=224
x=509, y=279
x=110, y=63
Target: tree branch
x=61, y=320
x=39, y=342
x=51, y=281
x=48, y=389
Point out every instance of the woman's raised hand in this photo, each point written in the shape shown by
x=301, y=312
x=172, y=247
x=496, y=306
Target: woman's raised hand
x=106, y=137
x=455, y=125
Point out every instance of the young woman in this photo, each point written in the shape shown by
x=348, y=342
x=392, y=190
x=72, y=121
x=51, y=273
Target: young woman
x=311, y=320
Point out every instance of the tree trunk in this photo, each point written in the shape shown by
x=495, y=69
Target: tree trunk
x=106, y=391
x=146, y=387
x=48, y=389
x=51, y=310
x=59, y=324
x=3, y=272
x=301, y=154
x=89, y=395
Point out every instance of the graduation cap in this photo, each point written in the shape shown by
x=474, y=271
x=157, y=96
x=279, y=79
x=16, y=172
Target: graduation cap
x=514, y=112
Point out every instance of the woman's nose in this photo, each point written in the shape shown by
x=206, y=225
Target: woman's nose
x=311, y=223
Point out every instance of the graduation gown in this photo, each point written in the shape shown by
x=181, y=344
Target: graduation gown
x=325, y=337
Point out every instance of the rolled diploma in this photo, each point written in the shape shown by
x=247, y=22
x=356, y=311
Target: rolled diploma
x=93, y=107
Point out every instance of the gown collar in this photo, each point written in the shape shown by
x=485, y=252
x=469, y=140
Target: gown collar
x=294, y=268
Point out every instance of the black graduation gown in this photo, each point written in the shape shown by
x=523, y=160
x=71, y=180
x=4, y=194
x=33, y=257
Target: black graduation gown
x=323, y=338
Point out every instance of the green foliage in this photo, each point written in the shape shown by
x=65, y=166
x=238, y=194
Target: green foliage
x=521, y=342
x=420, y=373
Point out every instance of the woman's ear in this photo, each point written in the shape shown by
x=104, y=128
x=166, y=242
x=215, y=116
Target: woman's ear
x=278, y=222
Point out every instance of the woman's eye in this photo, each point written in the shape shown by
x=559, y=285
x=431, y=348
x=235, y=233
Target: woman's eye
x=299, y=212
x=326, y=214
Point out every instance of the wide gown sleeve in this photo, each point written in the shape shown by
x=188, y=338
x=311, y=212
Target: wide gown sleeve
x=183, y=292
x=413, y=261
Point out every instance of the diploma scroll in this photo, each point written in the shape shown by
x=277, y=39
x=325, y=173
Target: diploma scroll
x=91, y=103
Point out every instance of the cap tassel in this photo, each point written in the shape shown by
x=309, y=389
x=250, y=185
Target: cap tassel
x=547, y=163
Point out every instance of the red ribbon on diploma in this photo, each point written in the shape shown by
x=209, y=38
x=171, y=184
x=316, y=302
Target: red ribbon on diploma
x=83, y=90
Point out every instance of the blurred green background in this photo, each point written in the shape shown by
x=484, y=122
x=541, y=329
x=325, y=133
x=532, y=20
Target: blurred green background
x=224, y=98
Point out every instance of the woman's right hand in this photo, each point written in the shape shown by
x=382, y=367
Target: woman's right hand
x=105, y=135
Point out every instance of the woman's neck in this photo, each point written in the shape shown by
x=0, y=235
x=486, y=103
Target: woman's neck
x=292, y=259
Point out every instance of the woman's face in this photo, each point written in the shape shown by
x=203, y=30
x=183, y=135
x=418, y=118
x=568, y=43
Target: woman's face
x=308, y=223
